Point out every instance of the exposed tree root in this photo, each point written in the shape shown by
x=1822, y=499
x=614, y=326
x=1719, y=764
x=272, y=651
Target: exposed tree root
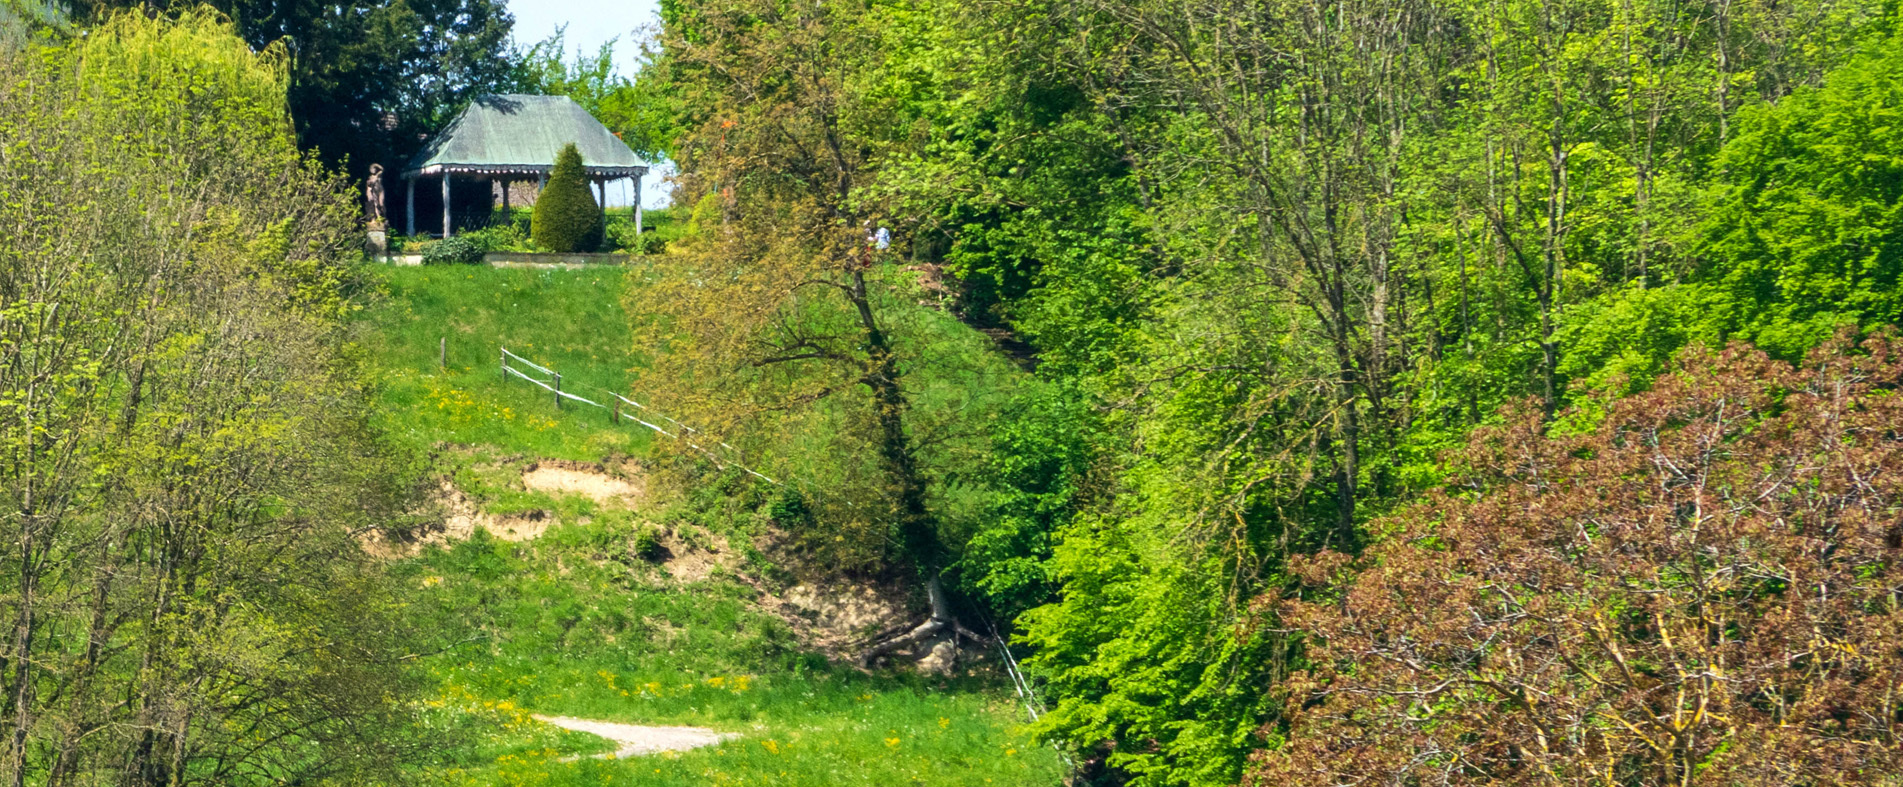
x=940, y=621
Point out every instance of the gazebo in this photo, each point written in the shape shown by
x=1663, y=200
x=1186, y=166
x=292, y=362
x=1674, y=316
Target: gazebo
x=511, y=137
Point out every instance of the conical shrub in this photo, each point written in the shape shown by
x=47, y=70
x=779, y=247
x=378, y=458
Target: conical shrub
x=566, y=218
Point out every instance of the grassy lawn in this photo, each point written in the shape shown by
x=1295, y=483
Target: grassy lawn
x=579, y=623
x=578, y=630
x=569, y=321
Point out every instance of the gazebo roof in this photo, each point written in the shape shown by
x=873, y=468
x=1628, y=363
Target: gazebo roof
x=515, y=134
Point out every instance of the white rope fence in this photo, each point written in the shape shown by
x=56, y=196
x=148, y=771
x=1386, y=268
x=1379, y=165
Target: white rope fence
x=551, y=381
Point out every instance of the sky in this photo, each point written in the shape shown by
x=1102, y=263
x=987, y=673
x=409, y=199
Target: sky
x=592, y=23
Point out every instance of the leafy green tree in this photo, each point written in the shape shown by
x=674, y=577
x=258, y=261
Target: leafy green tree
x=639, y=110
x=781, y=323
x=368, y=78
x=566, y=217
x=1807, y=230
x=185, y=461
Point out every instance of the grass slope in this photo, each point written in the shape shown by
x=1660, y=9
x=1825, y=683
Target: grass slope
x=569, y=321
x=578, y=623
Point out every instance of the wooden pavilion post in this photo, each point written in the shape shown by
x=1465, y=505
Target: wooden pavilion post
x=446, y=228
x=409, y=209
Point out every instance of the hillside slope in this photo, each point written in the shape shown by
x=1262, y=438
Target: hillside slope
x=565, y=581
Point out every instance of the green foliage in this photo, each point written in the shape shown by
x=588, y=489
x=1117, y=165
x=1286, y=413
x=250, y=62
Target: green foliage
x=567, y=218
x=1806, y=233
x=1266, y=279
x=641, y=112
x=358, y=61
x=455, y=250
x=189, y=459
x=1043, y=449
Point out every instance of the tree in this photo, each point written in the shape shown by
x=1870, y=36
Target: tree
x=368, y=78
x=1807, y=233
x=1702, y=588
x=185, y=459
x=639, y=111
x=781, y=325
x=566, y=217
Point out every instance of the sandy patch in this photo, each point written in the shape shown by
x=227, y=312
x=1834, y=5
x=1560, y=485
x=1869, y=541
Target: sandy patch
x=686, y=562
x=587, y=480
x=837, y=617
x=637, y=740
x=517, y=527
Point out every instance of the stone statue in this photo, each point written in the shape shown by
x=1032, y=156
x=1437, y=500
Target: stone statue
x=373, y=197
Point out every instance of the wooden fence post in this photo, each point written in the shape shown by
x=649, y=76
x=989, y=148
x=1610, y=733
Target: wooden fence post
x=504, y=358
x=558, y=391
x=442, y=353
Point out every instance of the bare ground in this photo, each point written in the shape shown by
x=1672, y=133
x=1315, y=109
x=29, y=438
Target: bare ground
x=637, y=740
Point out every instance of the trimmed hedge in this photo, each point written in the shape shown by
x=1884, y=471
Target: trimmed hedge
x=567, y=219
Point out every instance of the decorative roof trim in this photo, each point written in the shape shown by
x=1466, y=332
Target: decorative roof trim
x=434, y=170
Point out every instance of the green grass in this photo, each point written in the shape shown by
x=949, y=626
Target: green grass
x=570, y=321
x=573, y=626
x=577, y=623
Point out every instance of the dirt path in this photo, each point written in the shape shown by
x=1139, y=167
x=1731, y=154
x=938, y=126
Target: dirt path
x=637, y=740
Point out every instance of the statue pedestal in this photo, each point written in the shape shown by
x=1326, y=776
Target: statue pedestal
x=377, y=242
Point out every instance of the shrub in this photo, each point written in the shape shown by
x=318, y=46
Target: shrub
x=621, y=236
x=500, y=236
x=454, y=250
x=647, y=545
x=567, y=219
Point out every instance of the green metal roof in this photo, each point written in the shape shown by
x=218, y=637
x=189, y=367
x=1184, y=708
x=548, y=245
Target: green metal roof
x=519, y=135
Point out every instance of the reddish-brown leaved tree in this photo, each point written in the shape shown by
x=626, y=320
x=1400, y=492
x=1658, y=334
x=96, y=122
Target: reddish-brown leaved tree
x=1702, y=590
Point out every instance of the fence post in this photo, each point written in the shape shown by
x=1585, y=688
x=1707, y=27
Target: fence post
x=616, y=417
x=442, y=353
x=558, y=391
x=504, y=359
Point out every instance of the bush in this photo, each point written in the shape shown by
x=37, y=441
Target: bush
x=500, y=236
x=621, y=236
x=567, y=219
x=454, y=250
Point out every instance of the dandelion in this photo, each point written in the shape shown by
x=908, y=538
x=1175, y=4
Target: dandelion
x=944, y=723
x=772, y=747
x=1009, y=752
x=893, y=742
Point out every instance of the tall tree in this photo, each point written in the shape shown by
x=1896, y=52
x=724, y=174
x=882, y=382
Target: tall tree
x=369, y=78
x=185, y=463
x=790, y=314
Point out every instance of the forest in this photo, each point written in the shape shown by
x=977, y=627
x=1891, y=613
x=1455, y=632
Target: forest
x=1311, y=392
